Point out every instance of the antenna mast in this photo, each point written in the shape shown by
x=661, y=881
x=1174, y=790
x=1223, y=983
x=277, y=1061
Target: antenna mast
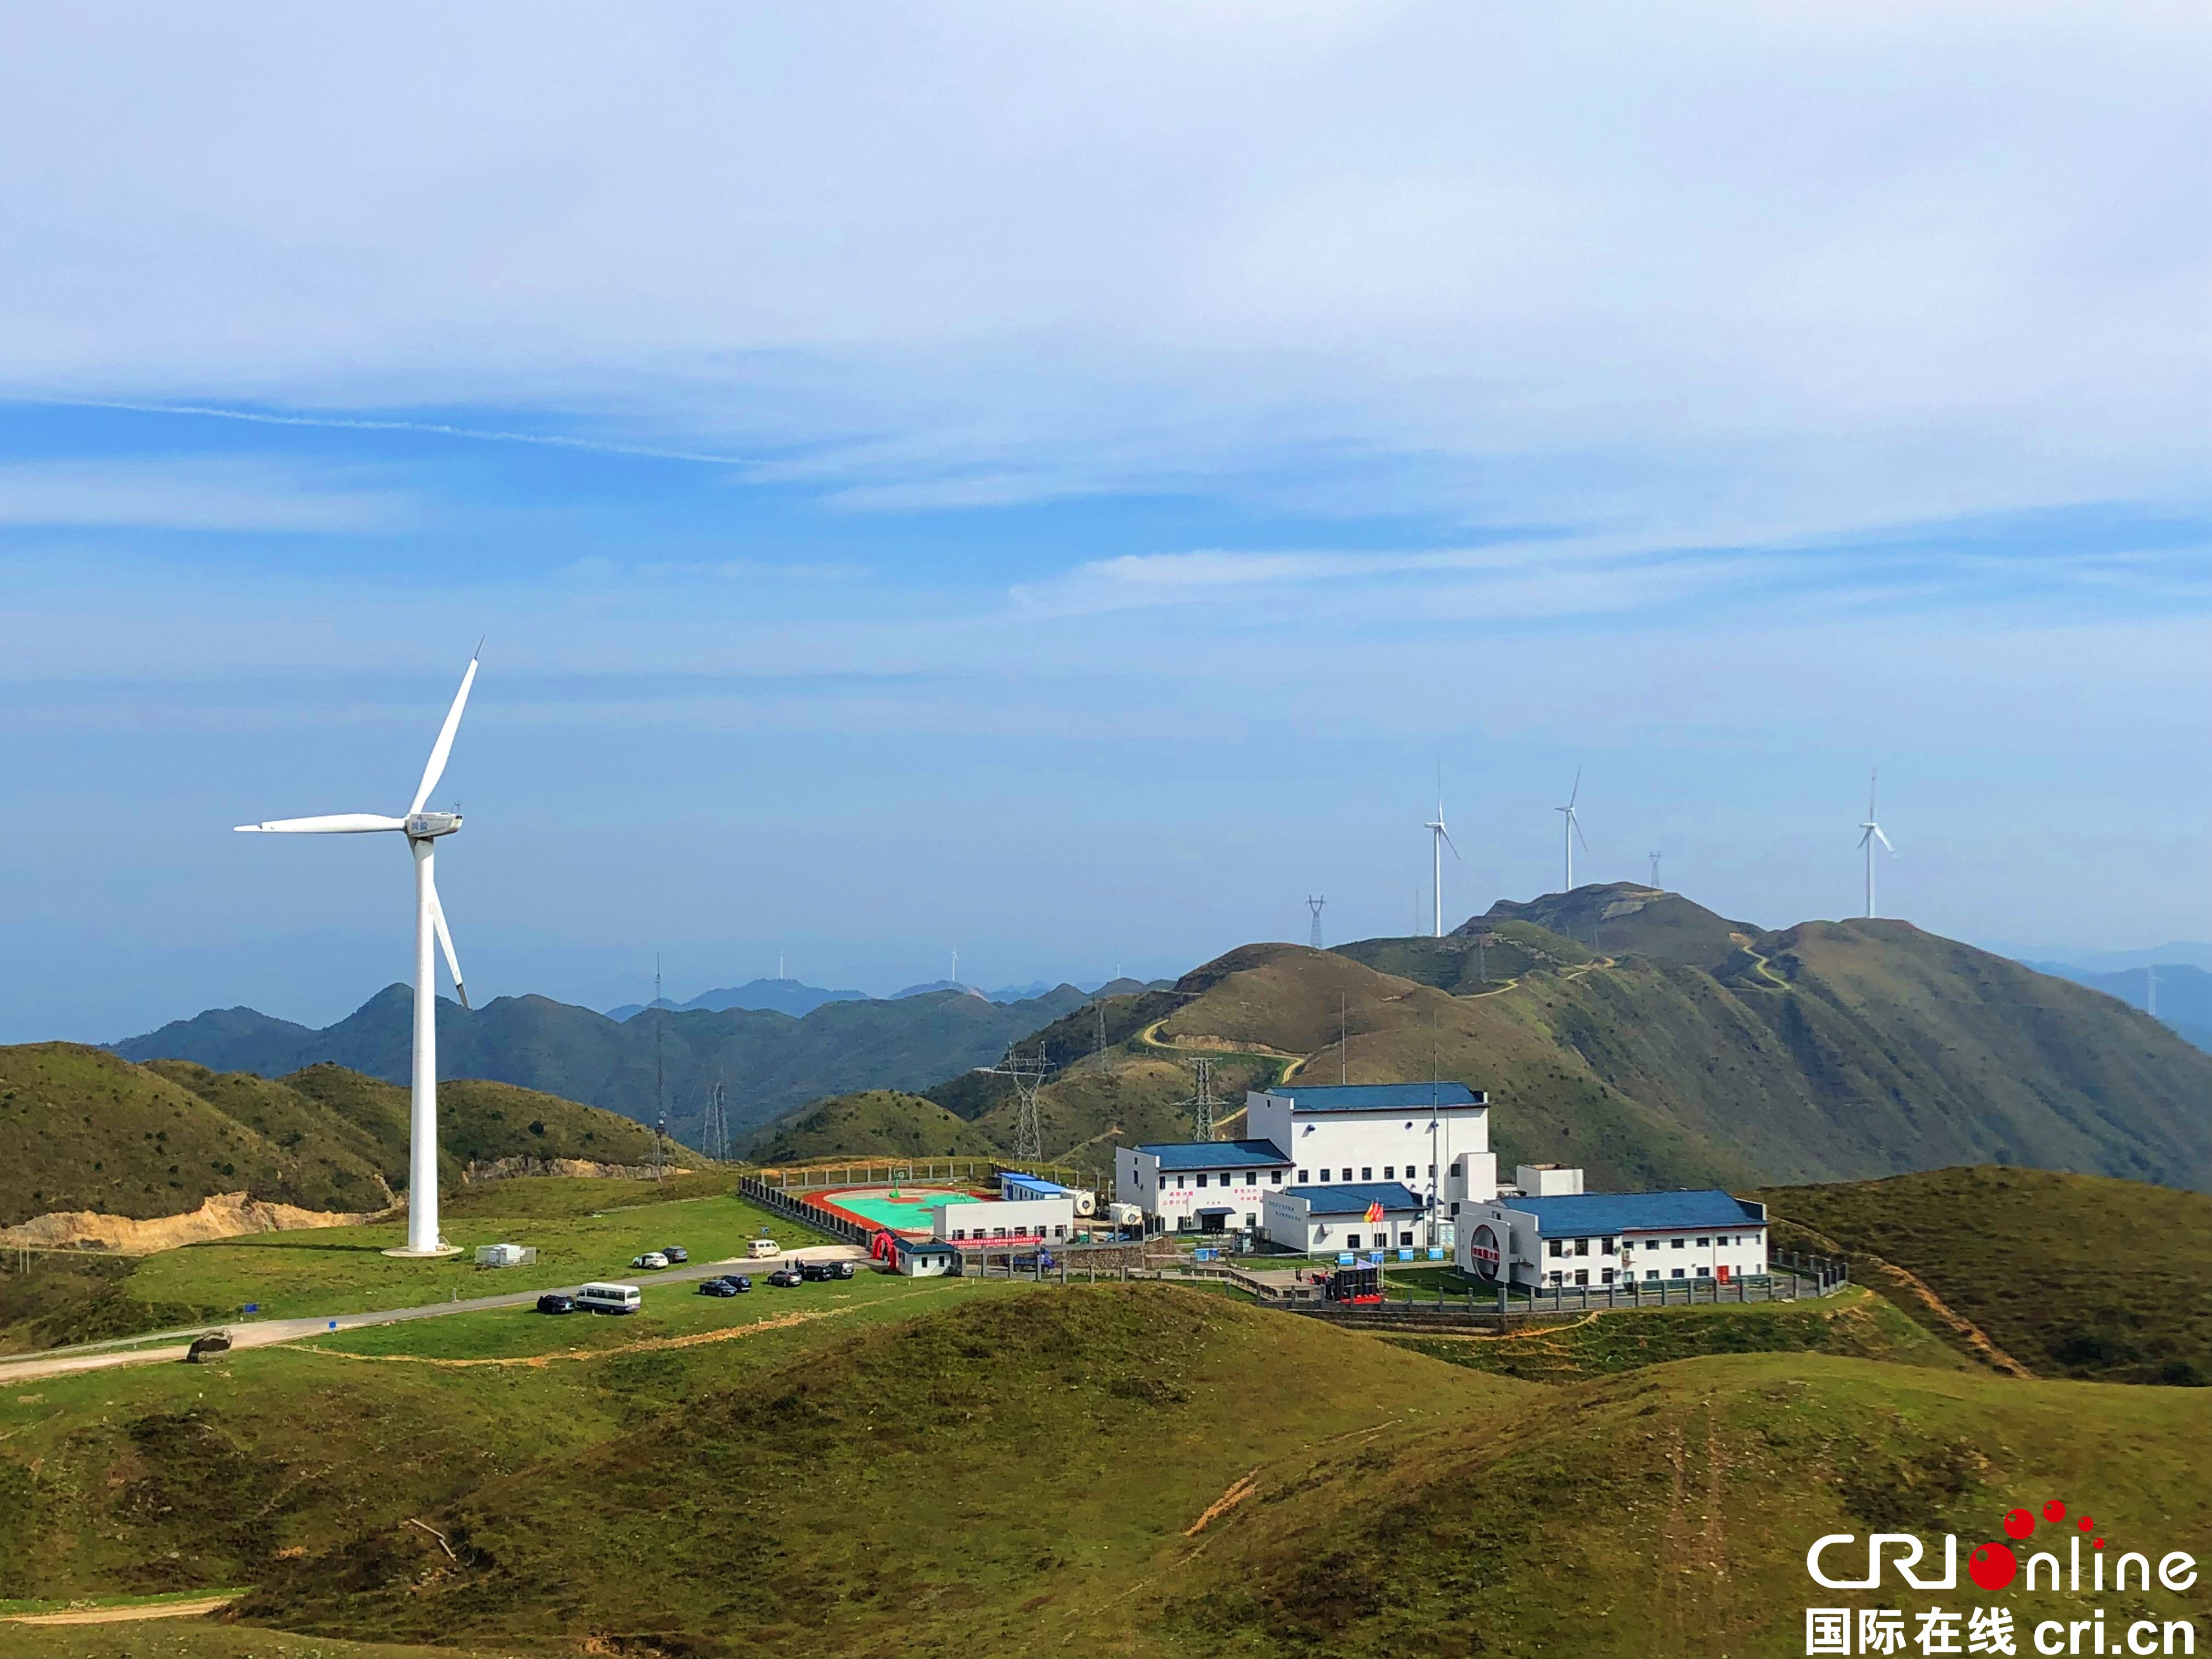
x=1314, y=904
x=1202, y=1101
x=1027, y=1072
x=659, y=1104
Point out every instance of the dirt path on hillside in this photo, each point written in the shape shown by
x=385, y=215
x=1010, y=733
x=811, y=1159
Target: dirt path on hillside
x=538, y=1361
x=121, y=1615
x=1965, y=1329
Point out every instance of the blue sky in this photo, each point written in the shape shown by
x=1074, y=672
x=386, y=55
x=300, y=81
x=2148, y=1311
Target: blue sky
x=1058, y=486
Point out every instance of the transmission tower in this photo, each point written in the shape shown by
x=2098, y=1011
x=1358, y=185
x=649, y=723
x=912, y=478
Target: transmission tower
x=1027, y=1072
x=715, y=1129
x=1201, y=1103
x=1655, y=869
x=1314, y=904
x=1100, y=1051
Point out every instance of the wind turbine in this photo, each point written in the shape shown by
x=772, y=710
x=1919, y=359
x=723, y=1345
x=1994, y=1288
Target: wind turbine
x=1870, y=833
x=421, y=829
x=1442, y=838
x=1571, y=831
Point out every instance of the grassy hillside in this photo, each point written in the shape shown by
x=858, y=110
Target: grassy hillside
x=2071, y=1275
x=770, y=1062
x=875, y=1122
x=1623, y=918
x=1236, y=1483
x=1480, y=957
x=83, y=1130
x=80, y=1129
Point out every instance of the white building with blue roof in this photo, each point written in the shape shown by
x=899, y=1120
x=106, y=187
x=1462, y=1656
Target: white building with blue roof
x=1200, y=1186
x=1433, y=1139
x=1362, y=1216
x=1609, y=1238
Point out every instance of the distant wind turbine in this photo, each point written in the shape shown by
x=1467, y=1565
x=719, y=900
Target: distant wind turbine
x=1870, y=833
x=421, y=829
x=1571, y=831
x=1441, y=839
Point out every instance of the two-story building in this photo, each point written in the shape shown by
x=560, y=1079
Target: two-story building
x=1200, y=1186
x=1608, y=1238
x=1373, y=1215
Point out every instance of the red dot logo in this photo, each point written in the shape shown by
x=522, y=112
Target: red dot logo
x=2018, y=1523
x=1991, y=1566
x=2054, y=1511
x=2086, y=1524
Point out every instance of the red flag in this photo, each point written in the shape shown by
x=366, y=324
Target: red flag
x=1374, y=1210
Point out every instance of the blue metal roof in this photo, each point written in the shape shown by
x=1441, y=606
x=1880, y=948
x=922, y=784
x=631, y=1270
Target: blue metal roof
x=1588, y=1215
x=1214, y=1154
x=1009, y=1178
x=1354, y=1199
x=1378, y=1097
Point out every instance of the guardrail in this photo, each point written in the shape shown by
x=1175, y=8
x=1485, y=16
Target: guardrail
x=776, y=1202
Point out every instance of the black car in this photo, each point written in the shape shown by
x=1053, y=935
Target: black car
x=818, y=1271
x=675, y=1252
x=729, y=1284
x=785, y=1278
x=553, y=1301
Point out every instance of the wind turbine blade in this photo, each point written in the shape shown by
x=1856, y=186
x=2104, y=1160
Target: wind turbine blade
x=1449, y=842
x=1576, y=794
x=446, y=944
x=1883, y=839
x=444, y=746
x=1873, y=776
x=1579, y=836
x=331, y=823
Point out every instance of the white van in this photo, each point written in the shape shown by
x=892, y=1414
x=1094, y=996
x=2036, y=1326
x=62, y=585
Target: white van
x=761, y=1248
x=610, y=1298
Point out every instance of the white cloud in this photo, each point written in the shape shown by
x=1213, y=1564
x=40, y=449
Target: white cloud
x=1600, y=265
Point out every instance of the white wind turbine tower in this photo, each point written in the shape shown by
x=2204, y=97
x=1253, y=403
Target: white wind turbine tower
x=421, y=829
x=1870, y=833
x=1571, y=831
x=1440, y=838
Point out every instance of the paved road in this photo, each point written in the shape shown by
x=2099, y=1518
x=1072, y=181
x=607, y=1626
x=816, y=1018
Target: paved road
x=262, y=1332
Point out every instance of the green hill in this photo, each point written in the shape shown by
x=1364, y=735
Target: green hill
x=81, y=1129
x=875, y=1122
x=1623, y=918
x=771, y=1063
x=2071, y=1275
x=1154, y=1471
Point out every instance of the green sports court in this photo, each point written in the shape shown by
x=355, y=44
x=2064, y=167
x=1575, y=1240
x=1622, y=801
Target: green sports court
x=874, y=1206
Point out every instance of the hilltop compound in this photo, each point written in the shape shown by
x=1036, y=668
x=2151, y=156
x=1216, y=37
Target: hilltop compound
x=1400, y=1134
x=1604, y=1238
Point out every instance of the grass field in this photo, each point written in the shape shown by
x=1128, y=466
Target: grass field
x=2072, y=1275
x=582, y=1230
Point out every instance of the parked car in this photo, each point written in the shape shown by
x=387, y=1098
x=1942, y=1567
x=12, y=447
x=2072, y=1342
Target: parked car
x=738, y=1282
x=785, y=1278
x=676, y=1253
x=650, y=1259
x=822, y=1270
x=717, y=1287
x=759, y=1248
x=554, y=1303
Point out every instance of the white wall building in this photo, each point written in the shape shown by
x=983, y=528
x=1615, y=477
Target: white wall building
x=1200, y=1186
x=1323, y=1221
x=1433, y=1138
x=989, y=1222
x=1548, y=1180
x=1607, y=1238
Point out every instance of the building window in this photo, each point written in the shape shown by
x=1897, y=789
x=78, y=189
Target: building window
x=1559, y=1278
x=1274, y=1177
x=1251, y=1177
x=1455, y=1209
x=1248, y=1220
x=1677, y=1244
x=1556, y=1248
x=960, y=1232
x=1389, y=1172
x=1582, y=1275
x=1607, y=1277
x=1651, y=1272
x=1201, y=1177
x=1352, y=1241
x=1405, y=1238
x=1703, y=1272
x=1432, y=1172
x=1581, y=1247
x=1459, y=1170
x=1301, y=1180
x=1179, y=1180
x=1678, y=1273
x=1704, y=1243
x=1367, y=1174
x=1605, y=1246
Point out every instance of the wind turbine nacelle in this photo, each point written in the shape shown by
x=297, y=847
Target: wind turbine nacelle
x=423, y=826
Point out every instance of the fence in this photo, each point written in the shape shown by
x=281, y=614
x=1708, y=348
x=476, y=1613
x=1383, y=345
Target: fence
x=925, y=1171
x=776, y=1202
x=1482, y=1311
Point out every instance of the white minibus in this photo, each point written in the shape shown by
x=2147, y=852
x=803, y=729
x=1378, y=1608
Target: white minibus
x=610, y=1298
